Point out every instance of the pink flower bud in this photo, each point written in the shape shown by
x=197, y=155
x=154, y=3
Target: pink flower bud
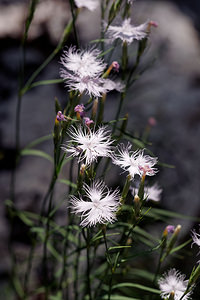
x=115, y=66
x=153, y=23
x=60, y=116
x=79, y=108
x=170, y=228
x=152, y=121
x=88, y=121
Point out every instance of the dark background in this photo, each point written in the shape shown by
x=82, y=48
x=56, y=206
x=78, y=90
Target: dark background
x=169, y=91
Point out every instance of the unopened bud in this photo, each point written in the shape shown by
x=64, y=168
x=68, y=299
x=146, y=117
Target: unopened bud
x=152, y=121
x=150, y=24
x=79, y=109
x=94, y=109
x=137, y=205
x=194, y=276
x=60, y=116
x=172, y=294
x=114, y=65
x=88, y=121
x=153, y=23
x=170, y=229
x=129, y=241
x=82, y=169
x=173, y=239
x=177, y=230
x=125, y=189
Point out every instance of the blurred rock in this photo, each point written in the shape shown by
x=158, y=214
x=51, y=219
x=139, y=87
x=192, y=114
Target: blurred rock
x=50, y=18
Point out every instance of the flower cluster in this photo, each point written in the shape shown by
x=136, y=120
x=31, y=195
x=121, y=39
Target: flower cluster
x=83, y=71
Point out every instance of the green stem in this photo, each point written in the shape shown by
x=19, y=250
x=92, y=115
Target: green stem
x=102, y=25
x=73, y=21
x=76, y=268
x=118, y=111
x=109, y=262
x=28, y=269
x=88, y=285
x=45, y=258
x=65, y=35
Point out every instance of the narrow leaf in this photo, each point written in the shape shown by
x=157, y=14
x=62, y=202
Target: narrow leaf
x=68, y=182
x=118, y=247
x=137, y=286
x=35, y=152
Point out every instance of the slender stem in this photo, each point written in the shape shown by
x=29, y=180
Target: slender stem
x=63, y=275
x=102, y=24
x=76, y=268
x=118, y=111
x=28, y=269
x=45, y=258
x=158, y=267
x=109, y=262
x=66, y=33
x=88, y=265
x=88, y=285
x=73, y=21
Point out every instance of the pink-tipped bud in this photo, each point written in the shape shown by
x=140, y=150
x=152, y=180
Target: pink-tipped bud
x=60, y=116
x=115, y=66
x=152, y=121
x=153, y=23
x=80, y=109
x=170, y=228
x=88, y=121
x=82, y=169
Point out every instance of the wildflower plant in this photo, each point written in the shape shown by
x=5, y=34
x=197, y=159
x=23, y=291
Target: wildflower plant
x=105, y=232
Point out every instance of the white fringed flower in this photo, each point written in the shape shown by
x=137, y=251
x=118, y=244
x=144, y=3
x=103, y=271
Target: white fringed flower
x=114, y=85
x=82, y=71
x=135, y=162
x=196, y=238
x=150, y=192
x=89, y=4
x=83, y=63
x=173, y=281
x=100, y=207
x=93, y=86
x=88, y=144
x=127, y=32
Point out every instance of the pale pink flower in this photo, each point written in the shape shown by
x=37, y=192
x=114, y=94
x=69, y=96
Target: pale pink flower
x=196, y=239
x=84, y=63
x=100, y=207
x=82, y=71
x=93, y=86
x=88, y=144
x=135, y=162
x=117, y=85
x=127, y=32
x=173, y=281
x=150, y=192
